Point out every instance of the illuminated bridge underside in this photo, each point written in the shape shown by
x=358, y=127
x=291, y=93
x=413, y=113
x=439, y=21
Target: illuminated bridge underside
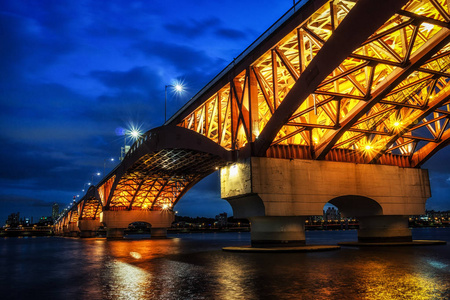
x=156, y=172
x=90, y=206
x=355, y=81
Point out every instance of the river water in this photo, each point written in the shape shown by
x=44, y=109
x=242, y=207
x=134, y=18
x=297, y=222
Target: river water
x=193, y=266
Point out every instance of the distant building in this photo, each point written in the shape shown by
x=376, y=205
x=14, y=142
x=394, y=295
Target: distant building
x=332, y=214
x=55, y=211
x=124, y=151
x=13, y=220
x=222, y=220
x=45, y=221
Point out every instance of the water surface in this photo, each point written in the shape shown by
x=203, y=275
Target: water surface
x=193, y=266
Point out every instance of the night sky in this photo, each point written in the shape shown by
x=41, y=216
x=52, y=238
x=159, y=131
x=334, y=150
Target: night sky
x=73, y=73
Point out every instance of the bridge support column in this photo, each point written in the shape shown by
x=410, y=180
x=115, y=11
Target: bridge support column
x=158, y=233
x=73, y=229
x=117, y=221
x=276, y=195
x=115, y=233
x=384, y=229
x=88, y=228
x=277, y=231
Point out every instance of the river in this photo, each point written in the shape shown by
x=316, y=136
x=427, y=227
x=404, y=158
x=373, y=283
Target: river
x=193, y=266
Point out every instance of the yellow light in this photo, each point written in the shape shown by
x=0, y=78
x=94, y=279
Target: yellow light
x=233, y=170
x=428, y=26
x=396, y=124
x=165, y=206
x=368, y=147
x=145, y=206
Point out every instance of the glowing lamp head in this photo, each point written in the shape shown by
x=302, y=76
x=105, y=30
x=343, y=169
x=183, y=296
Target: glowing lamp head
x=178, y=87
x=165, y=206
x=368, y=147
x=135, y=134
x=396, y=124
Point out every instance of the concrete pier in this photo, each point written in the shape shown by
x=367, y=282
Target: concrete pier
x=375, y=229
x=276, y=195
x=117, y=221
x=277, y=231
x=88, y=228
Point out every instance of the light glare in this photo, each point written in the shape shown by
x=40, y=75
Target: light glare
x=178, y=87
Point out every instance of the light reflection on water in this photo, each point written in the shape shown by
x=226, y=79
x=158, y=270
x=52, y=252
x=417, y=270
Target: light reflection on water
x=192, y=266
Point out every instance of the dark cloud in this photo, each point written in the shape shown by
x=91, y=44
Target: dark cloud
x=138, y=79
x=193, y=28
x=21, y=37
x=232, y=34
x=181, y=57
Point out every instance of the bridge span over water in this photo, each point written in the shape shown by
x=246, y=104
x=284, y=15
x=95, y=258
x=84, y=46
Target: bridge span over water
x=338, y=102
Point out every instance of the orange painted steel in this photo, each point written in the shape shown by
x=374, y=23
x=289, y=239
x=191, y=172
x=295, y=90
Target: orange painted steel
x=381, y=103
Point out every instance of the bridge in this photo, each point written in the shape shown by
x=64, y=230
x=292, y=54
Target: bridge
x=338, y=102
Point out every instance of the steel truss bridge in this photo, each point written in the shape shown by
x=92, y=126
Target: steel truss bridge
x=349, y=81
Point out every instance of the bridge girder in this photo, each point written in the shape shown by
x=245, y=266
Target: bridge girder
x=338, y=80
x=160, y=168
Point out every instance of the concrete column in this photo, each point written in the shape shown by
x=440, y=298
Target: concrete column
x=158, y=233
x=88, y=228
x=117, y=221
x=277, y=231
x=384, y=229
x=73, y=229
x=114, y=233
x=87, y=234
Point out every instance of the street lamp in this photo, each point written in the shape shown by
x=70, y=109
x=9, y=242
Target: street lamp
x=134, y=133
x=84, y=186
x=104, y=163
x=95, y=174
x=178, y=88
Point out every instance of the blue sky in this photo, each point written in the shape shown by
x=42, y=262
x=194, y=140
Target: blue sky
x=73, y=72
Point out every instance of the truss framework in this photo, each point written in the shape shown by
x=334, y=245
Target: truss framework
x=158, y=180
x=382, y=104
x=89, y=209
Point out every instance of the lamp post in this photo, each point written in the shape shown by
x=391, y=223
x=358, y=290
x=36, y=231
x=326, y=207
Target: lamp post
x=178, y=88
x=95, y=174
x=104, y=163
x=84, y=186
x=135, y=134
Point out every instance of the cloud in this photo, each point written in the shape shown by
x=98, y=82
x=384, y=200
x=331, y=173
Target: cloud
x=23, y=36
x=137, y=79
x=178, y=56
x=192, y=28
x=232, y=34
